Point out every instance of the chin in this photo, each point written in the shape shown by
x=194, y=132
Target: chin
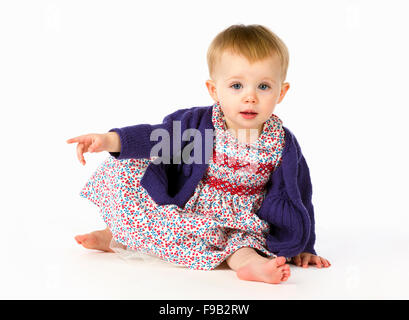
x=251, y=124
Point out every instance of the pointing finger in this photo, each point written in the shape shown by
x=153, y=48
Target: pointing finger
x=72, y=140
x=80, y=139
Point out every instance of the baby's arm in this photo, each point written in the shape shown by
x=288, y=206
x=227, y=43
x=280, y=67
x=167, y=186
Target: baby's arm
x=96, y=142
x=137, y=141
x=308, y=256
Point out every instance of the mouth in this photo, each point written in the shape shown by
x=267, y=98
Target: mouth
x=248, y=114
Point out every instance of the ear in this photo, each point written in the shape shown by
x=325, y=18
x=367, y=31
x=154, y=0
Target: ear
x=284, y=88
x=211, y=87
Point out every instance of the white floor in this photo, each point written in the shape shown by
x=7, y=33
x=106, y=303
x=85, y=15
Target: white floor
x=53, y=266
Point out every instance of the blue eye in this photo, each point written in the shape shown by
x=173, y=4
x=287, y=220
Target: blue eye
x=262, y=86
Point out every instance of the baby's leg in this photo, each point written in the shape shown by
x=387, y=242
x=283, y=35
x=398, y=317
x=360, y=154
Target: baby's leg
x=98, y=240
x=251, y=266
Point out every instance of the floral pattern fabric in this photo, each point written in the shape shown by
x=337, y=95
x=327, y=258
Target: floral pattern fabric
x=218, y=219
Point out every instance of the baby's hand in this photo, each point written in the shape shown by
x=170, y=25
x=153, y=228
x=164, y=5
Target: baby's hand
x=306, y=258
x=93, y=142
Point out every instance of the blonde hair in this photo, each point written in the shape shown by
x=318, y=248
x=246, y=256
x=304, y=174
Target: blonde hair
x=254, y=42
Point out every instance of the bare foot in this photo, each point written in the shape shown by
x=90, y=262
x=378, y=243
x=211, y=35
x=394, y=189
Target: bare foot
x=271, y=271
x=98, y=240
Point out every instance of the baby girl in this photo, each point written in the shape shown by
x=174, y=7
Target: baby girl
x=241, y=194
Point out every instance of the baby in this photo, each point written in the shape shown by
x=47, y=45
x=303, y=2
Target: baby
x=244, y=197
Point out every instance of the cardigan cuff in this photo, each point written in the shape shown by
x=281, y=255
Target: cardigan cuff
x=135, y=142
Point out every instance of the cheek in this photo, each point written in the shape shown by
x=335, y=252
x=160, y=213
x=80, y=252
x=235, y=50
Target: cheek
x=273, y=95
x=272, y=99
x=226, y=109
x=226, y=95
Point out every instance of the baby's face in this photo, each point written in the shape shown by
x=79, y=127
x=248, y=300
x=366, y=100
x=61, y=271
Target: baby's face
x=248, y=93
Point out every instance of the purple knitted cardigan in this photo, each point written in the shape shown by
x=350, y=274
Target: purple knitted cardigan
x=287, y=205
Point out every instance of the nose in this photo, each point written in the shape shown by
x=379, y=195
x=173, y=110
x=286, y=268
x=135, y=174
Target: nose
x=250, y=97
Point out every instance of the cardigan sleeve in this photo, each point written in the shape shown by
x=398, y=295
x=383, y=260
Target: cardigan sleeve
x=305, y=188
x=136, y=141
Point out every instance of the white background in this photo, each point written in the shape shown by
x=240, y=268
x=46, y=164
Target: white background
x=74, y=67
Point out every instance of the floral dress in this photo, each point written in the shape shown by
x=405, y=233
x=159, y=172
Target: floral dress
x=218, y=219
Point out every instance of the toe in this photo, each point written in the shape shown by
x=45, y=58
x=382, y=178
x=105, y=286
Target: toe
x=285, y=272
x=79, y=239
x=87, y=240
x=280, y=261
x=285, y=276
